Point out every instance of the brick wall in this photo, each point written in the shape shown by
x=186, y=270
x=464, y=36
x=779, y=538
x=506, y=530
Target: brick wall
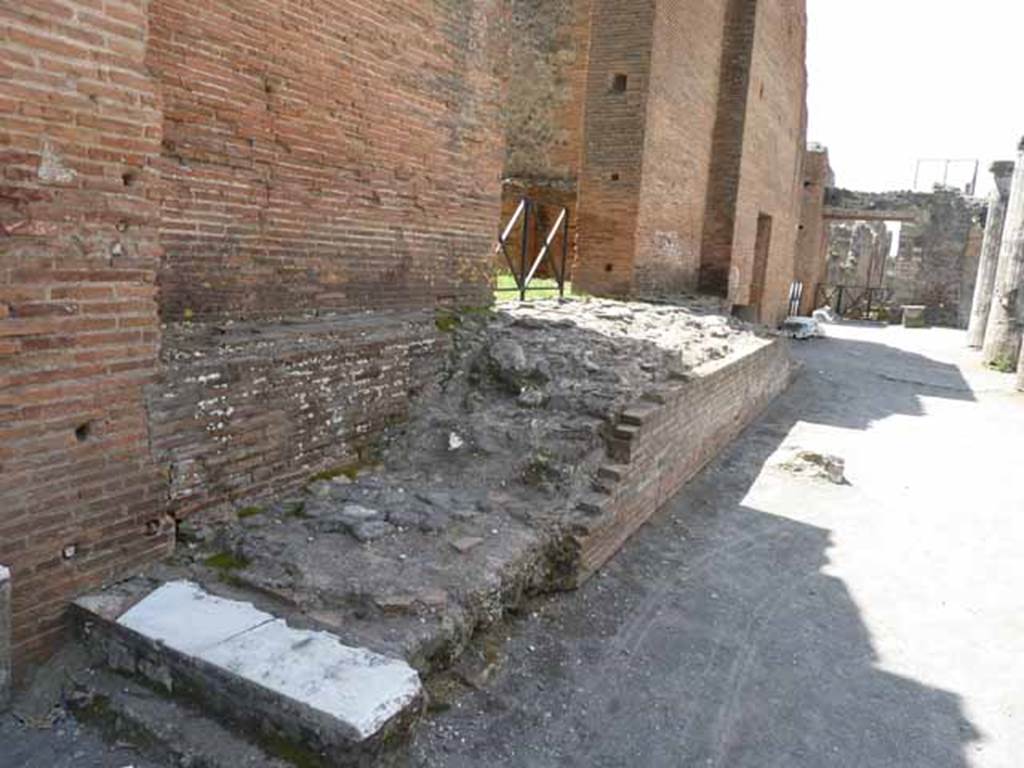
x=325, y=155
x=694, y=128
x=662, y=441
x=264, y=165
x=680, y=119
x=812, y=238
x=254, y=409
x=319, y=159
x=80, y=498
x=774, y=139
x=727, y=146
x=618, y=77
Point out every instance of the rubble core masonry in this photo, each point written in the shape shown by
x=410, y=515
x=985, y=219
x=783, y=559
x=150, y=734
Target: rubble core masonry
x=225, y=237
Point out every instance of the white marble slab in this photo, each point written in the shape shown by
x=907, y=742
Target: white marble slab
x=361, y=689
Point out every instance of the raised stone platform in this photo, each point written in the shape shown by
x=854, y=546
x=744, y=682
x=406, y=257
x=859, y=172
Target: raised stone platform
x=554, y=432
x=278, y=682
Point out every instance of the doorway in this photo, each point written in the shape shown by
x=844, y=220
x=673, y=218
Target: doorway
x=759, y=274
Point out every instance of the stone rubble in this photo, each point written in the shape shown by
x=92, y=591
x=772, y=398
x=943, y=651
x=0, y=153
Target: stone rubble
x=410, y=555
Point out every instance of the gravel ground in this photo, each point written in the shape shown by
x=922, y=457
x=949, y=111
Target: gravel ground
x=772, y=617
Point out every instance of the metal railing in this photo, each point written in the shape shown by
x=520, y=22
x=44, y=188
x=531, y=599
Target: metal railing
x=853, y=301
x=526, y=270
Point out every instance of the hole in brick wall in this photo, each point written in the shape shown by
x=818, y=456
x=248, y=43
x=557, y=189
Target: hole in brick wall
x=807, y=184
x=800, y=227
x=615, y=177
x=152, y=527
x=761, y=91
x=128, y=179
x=608, y=267
x=619, y=82
x=83, y=431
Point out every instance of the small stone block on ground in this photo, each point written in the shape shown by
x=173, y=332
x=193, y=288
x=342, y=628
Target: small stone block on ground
x=359, y=689
x=913, y=316
x=466, y=543
x=5, y=638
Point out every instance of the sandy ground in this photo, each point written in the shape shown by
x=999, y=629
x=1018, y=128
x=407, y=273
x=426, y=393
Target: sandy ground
x=766, y=618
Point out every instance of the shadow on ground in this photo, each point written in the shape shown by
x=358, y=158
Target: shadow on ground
x=715, y=638
x=895, y=379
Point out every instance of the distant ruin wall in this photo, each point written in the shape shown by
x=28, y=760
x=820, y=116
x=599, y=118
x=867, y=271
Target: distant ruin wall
x=937, y=261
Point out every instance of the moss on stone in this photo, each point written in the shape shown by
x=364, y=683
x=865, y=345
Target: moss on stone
x=225, y=562
x=351, y=471
x=447, y=322
x=1002, y=364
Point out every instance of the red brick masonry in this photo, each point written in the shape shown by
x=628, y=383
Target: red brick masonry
x=667, y=437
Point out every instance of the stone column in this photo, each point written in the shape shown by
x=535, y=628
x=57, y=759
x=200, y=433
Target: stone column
x=1003, y=171
x=1006, y=317
x=5, y=638
x=1020, y=369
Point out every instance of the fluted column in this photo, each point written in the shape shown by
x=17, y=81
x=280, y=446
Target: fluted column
x=1005, y=328
x=986, y=282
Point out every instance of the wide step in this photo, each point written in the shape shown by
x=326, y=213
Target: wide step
x=343, y=704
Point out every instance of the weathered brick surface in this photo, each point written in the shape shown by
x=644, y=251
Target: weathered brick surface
x=768, y=174
x=543, y=72
x=327, y=155
x=687, y=51
x=695, y=122
x=240, y=413
x=291, y=160
x=813, y=235
x=618, y=75
x=80, y=498
x=664, y=441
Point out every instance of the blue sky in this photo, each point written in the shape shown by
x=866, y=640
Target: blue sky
x=892, y=81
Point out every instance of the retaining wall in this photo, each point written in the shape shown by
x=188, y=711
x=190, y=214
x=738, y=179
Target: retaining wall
x=667, y=437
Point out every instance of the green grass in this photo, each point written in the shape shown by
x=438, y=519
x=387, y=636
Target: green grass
x=540, y=288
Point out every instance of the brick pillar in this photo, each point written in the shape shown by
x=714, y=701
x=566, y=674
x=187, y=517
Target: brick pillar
x=1006, y=317
x=5, y=638
x=727, y=148
x=1003, y=171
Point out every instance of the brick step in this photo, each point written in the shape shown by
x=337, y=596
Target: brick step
x=333, y=704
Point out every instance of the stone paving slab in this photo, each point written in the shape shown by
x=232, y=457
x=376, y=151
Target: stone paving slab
x=357, y=691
